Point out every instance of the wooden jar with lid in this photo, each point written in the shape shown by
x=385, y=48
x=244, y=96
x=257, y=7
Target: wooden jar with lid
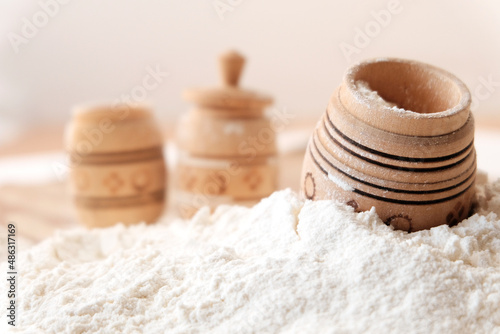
x=117, y=172
x=397, y=135
x=226, y=144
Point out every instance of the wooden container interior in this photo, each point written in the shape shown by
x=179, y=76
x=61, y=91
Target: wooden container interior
x=410, y=86
x=429, y=100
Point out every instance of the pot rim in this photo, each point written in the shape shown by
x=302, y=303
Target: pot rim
x=398, y=120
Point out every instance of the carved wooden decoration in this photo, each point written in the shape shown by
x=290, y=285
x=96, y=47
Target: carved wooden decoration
x=118, y=173
x=396, y=135
x=227, y=146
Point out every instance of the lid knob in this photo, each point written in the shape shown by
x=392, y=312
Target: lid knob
x=231, y=64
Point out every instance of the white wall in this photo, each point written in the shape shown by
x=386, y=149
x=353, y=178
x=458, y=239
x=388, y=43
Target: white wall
x=99, y=50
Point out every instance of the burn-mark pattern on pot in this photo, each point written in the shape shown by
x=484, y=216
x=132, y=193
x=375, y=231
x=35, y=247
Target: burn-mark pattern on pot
x=309, y=186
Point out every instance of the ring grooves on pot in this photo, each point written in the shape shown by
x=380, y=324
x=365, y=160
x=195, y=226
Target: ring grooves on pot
x=414, y=167
x=395, y=173
x=380, y=156
x=417, y=166
x=111, y=158
x=122, y=201
x=380, y=192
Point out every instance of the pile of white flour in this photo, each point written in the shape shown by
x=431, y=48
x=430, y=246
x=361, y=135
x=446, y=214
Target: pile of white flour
x=284, y=266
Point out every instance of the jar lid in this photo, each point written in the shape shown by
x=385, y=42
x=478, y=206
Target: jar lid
x=228, y=95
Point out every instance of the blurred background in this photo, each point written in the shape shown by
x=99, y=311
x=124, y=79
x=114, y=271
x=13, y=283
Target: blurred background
x=75, y=51
x=55, y=54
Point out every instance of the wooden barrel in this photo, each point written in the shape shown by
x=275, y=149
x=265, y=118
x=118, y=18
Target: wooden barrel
x=117, y=172
x=397, y=135
x=227, y=146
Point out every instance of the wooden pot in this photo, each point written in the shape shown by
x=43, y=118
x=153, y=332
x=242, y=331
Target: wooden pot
x=227, y=148
x=117, y=173
x=396, y=135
